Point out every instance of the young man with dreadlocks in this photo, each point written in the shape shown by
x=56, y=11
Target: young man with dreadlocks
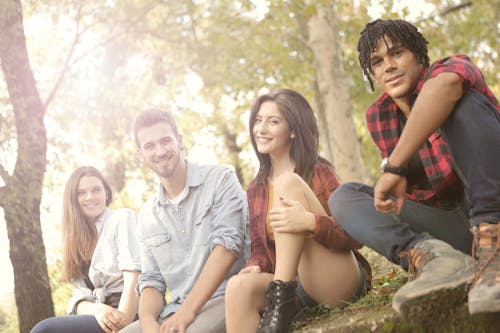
x=438, y=130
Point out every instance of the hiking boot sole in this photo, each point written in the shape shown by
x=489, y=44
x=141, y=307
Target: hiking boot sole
x=481, y=306
x=425, y=304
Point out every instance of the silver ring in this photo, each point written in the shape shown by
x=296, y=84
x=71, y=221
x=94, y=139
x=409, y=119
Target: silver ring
x=173, y=329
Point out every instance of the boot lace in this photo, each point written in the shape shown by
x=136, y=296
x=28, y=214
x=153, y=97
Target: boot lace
x=277, y=313
x=416, y=259
x=486, y=252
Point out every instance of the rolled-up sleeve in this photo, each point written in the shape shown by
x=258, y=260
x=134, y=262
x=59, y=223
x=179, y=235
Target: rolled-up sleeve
x=150, y=272
x=229, y=215
x=128, y=244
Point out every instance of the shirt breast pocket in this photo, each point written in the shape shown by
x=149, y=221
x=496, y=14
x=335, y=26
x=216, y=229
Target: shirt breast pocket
x=202, y=226
x=160, y=246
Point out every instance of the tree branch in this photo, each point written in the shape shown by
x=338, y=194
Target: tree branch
x=66, y=62
x=452, y=9
x=448, y=10
x=131, y=22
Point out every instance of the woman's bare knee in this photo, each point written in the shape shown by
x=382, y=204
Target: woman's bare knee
x=234, y=286
x=289, y=181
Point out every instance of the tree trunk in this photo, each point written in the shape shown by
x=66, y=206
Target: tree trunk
x=20, y=197
x=334, y=96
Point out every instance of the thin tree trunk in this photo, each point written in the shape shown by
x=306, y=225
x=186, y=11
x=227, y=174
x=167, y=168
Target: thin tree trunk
x=20, y=197
x=334, y=93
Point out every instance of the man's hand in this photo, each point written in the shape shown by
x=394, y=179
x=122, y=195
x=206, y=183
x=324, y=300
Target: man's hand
x=110, y=319
x=178, y=322
x=388, y=185
x=291, y=216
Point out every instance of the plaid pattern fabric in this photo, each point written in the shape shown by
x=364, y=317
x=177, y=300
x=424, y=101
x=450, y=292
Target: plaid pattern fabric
x=328, y=232
x=383, y=124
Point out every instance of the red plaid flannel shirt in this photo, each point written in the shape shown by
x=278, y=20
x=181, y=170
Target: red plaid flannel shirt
x=328, y=232
x=383, y=124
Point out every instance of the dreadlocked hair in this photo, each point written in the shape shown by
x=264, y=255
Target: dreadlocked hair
x=400, y=32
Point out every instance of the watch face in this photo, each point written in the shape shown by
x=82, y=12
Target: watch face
x=386, y=167
x=383, y=164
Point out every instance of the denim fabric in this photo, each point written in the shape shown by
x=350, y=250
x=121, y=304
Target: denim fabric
x=389, y=234
x=305, y=300
x=473, y=134
x=73, y=324
x=175, y=243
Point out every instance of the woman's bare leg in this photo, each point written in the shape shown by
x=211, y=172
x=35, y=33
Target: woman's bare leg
x=329, y=277
x=290, y=186
x=245, y=294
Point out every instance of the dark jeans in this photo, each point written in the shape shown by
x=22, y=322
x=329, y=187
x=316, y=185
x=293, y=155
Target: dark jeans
x=389, y=234
x=473, y=134
x=68, y=324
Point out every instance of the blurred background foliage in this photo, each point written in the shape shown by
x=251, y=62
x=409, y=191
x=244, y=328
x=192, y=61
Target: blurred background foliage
x=98, y=63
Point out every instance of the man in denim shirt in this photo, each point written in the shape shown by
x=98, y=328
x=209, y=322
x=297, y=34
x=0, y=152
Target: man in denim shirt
x=192, y=234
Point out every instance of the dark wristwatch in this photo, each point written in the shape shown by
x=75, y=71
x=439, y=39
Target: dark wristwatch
x=386, y=167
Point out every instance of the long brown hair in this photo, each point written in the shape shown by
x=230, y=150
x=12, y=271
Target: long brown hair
x=300, y=117
x=79, y=234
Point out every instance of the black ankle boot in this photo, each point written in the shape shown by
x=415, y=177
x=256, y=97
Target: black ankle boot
x=282, y=307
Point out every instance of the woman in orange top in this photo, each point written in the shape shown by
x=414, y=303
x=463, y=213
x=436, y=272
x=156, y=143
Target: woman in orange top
x=300, y=256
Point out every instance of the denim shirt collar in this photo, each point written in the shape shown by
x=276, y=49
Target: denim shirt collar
x=194, y=178
x=104, y=215
x=100, y=220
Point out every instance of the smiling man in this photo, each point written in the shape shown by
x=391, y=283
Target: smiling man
x=191, y=232
x=438, y=130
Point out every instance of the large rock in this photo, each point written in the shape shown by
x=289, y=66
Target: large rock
x=386, y=320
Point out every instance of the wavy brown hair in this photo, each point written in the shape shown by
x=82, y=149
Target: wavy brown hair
x=79, y=234
x=302, y=122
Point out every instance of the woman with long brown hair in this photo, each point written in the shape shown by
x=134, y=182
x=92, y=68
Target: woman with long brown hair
x=300, y=256
x=100, y=258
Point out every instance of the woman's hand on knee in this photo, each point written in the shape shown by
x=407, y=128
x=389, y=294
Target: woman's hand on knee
x=291, y=216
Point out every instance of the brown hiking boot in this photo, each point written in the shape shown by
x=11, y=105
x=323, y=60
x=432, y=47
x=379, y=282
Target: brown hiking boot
x=440, y=278
x=485, y=293
x=282, y=307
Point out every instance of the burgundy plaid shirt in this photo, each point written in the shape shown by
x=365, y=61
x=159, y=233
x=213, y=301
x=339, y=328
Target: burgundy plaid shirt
x=383, y=124
x=328, y=232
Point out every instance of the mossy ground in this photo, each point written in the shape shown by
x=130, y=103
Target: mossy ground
x=373, y=313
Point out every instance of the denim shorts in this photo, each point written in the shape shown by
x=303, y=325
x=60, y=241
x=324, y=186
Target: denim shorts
x=307, y=302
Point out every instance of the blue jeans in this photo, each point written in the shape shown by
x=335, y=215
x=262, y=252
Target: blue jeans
x=65, y=324
x=352, y=207
x=473, y=134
